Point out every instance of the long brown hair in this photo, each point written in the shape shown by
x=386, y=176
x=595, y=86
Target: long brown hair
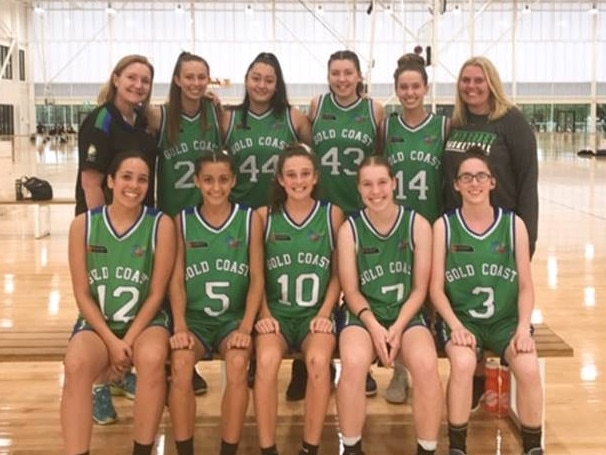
x=174, y=106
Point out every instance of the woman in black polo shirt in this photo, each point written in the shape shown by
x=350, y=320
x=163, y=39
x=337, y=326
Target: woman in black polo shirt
x=118, y=124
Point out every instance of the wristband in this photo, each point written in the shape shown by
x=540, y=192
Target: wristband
x=362, y=311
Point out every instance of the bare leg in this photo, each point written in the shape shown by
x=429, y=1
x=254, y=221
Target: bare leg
x=85, y=360
x=236, y=395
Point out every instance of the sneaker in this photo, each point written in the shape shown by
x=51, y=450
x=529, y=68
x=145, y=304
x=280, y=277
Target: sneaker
x=371, y=385
x=103, y=408
x=456, y=452
x=479, y=387
x=126, y=387
x=200, y=385
x=535, y=451
x=397, y=389
x=298, y=381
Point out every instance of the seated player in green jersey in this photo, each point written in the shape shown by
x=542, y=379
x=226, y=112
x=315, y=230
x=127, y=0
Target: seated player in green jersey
x=301, y=291
x=384, y=254
x=215, y=294
x=482, y=287
x=121, y=258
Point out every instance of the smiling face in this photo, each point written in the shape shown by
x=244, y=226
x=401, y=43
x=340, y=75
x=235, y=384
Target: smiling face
x=130, y=182
x=474, y=90
x=411, y=90
x=298, y=177
x=215, y=180
x=133, y=84
x=261, y=83
x=343, y=79
x=376, y=186
x=193, y=79
x=474, y=181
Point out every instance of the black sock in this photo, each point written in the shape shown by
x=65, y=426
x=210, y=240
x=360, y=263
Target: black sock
x=309, y=449
x=228, y=448
x=142, y=449
x=269, y=450
x=185, y=447
x=531, y=437
x=422, y=451
x=457, y=436
x=356, y=449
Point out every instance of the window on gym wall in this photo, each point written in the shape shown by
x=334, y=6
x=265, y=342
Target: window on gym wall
x=8, y=72
x=21, y=65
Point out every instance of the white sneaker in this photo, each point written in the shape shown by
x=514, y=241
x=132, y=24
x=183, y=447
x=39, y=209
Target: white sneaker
x=397, y=390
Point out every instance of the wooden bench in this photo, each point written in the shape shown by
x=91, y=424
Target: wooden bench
x=50, y=345
x=41, y=212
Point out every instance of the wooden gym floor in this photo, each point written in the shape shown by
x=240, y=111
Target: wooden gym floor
x=570, y=280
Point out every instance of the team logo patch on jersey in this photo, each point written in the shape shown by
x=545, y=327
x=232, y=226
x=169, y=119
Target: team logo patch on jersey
x=403, y=245
x=278, y=125
x=329, y=117
x=360, y=118
x=197, y=244
x=138, y=251
x=97, y=249
x=428, y=140
x=457, y=248
x=91, y=154
x=498, y=247
x=277, y=237
x=372, y=250
x=396, y=140
x=242, y=127
x=315, y=236
x=232, y=242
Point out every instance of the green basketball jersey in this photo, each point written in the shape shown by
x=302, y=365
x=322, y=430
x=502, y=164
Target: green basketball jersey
x=343, y=137
x=416, y=157
x=216, y=266
x=481, y=277
x=255, y=149
x=298, y=261
x=120, y=266
x=385, y=262
x=176, y=162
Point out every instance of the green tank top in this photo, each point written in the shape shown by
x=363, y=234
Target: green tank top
x=385, y=263
x=481, y=276
x=416, y=157
x=343, y=137
x=298, y=262
x=216, y=265
x=176, y=163
x=120, y=266
x=255, y=149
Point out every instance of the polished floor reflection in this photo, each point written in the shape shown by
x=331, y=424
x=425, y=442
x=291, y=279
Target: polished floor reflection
x=570, y=278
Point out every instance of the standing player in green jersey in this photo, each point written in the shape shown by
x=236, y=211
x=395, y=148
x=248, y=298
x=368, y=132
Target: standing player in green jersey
x=482, y=287
x=384, y=256
x=344, y=127
x=188, y=125
x=215, y=294
x=413, y=142
x=121, y=257
x=302, y=289
x=257, y=130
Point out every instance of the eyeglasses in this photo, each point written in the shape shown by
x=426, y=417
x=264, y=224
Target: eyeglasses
x=481, y=177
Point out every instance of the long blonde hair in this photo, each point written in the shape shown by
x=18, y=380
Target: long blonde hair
x=498, y=100
x=108, y=91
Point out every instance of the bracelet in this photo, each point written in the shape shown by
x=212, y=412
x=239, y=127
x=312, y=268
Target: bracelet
x=362, y=311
